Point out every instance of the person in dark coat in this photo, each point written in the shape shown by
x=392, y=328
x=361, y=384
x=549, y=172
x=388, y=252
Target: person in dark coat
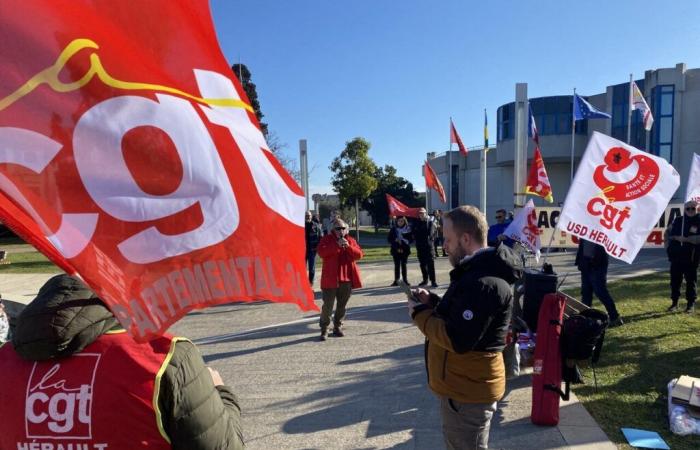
x=439, y=239
x=400, y=237
x=424, y=235
x=155, y=395
x=466, y=329
x=592, y=262
x=313, y=233
x=682, y=238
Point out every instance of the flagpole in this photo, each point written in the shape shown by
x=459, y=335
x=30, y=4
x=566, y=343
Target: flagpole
x=629, y=113
x=549, y=246
x=428, y=202
x=449, y=171
x=573, y=128
x=483, y=168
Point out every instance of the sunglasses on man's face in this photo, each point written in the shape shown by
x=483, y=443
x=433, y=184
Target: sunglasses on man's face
x=690, y=208
x=499, y=217
x=339, y=228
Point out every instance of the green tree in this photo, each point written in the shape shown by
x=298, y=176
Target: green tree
x=250, y=89
x=354, y=176
x=388, y=182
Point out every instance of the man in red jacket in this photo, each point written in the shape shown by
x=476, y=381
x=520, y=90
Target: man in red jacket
x=339, y=275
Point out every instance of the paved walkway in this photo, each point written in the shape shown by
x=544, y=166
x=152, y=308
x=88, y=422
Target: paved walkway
x=364, y=391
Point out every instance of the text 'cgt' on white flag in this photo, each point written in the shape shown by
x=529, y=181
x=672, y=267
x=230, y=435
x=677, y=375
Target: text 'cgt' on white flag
x=618, y=194
x=524, y=229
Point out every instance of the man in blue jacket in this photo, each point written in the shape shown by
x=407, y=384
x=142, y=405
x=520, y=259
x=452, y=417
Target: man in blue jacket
x=495, y=235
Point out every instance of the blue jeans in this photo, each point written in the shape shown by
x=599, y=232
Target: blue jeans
x=311, y=264
x=595, y=281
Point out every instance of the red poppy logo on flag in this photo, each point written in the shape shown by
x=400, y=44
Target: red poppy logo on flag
x=619, y=160
x=132, y=158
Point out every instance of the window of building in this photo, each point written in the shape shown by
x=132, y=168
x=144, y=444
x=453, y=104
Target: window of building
x=662, y=109
x=553, y=115
x=454, y=186
x=620, y=110
x=506, y=115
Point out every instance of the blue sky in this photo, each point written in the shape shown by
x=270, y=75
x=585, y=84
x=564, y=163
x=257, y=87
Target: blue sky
x=395, y=71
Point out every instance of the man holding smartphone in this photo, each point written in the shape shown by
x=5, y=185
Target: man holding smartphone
x=339, y=275
x=466, y=329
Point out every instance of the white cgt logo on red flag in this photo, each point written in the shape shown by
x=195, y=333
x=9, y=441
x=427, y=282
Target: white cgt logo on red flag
x=131, y=157
x=618, y=194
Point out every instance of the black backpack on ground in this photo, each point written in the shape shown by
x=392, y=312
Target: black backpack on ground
x=582, y=339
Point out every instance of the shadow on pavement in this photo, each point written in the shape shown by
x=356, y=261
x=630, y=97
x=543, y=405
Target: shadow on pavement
x=390, y=400
x=376, y=313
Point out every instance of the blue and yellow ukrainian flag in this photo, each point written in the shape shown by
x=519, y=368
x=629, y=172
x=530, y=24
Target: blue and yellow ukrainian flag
x=486, y=132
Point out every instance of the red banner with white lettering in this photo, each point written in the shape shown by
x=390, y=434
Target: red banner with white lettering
x=130, y=156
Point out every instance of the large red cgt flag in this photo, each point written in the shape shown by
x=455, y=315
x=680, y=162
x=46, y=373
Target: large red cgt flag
x=130, y=156
x=432, y=181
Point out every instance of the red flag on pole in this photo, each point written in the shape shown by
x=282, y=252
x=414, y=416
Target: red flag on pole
x=455, y=139
x=398, y=209
x=432, y=182
x=131, y=157
x=537, y=180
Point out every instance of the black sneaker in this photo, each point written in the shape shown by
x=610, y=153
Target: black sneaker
x=434, y=285
x=395, y=283
x=672, y=308
x=324, y=334
x=616, y=323
x=423, y=283
x=338, y=332
x=690, y=309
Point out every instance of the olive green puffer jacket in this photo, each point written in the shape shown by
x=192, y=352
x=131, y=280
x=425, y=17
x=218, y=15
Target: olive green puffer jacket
x=66, y=316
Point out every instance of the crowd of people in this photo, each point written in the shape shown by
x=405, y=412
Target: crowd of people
x=465, y=332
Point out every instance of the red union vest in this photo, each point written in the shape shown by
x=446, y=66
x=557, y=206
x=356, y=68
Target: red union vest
x=105, y=397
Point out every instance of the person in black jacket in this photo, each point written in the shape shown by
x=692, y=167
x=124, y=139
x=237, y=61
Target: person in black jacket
x=424, y=235
x=313, y=233
x=592, y=262
x=683, y=249
x=466, y=329
x=400, y=238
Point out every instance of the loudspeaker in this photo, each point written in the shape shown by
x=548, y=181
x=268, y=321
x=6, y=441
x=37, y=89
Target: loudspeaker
x=537, y=285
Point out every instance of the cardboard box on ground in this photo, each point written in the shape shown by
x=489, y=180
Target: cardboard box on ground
x=686, y=392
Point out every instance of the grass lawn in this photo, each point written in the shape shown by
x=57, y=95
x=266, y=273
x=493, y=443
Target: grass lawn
x=639, y=359
x=381, y=235
x=376, y=253
x=28, y=262
x=35, y=262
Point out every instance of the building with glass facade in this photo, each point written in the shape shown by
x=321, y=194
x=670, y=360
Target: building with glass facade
x=673, y=95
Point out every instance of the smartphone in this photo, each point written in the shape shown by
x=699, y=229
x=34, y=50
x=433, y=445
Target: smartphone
x=407, y=290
